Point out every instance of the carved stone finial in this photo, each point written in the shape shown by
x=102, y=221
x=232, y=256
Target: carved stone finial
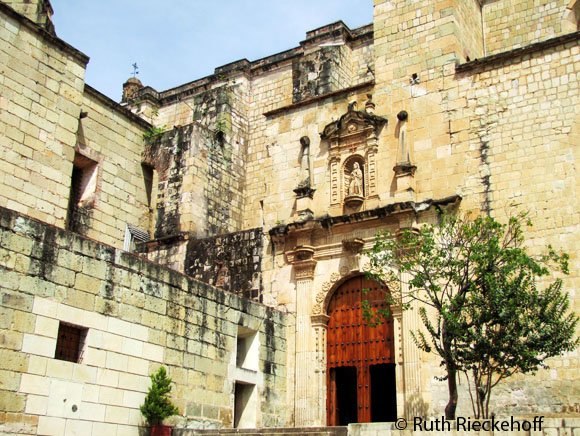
x=370, y=105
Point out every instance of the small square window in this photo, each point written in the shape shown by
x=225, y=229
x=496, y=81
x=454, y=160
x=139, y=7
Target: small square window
x=70, y=342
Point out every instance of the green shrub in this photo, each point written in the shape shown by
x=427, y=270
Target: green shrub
x=157, y=405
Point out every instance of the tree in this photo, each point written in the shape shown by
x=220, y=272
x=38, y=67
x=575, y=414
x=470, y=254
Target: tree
x=488, y=318
x=157, y=405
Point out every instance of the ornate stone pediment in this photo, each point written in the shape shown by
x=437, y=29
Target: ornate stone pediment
x=352, y=148
x=354, y=123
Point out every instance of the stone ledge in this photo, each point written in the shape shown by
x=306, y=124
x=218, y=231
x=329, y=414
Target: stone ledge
x=308, y=431
x=511, y=55
x=309, y=101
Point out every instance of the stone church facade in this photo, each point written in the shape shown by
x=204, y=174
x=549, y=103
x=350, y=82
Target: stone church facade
x=219, y=228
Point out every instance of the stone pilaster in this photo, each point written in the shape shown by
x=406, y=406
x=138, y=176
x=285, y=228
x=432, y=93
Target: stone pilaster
x=306, y=396
x=414, y=405
x=320, y=325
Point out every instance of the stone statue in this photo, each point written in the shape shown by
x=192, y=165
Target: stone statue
x=305, y=162
x=403, y=153
x=356, y=178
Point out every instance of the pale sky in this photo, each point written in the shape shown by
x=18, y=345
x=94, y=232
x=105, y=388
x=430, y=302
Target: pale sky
x=177, y=41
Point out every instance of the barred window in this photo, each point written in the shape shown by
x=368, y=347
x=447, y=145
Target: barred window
x=70, y=342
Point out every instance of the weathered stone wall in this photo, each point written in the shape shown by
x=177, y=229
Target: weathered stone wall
x=469, y=14
x=138, y=316
x=232, y=262
x=510, y=24
x=200, y=160
x=38, y=11
x=113, y=139
x=41, y=98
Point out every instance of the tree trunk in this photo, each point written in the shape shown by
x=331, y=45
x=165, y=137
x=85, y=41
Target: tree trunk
x=452, y=387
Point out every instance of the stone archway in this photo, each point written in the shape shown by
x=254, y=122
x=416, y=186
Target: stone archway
x=361, y=381
x=319, y=321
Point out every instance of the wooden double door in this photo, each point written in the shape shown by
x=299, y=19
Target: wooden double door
x=360, y=358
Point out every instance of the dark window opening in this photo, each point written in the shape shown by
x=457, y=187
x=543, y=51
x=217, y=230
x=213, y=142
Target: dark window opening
x=82, y=191
x=148, y=181
x=383, y=393
x=70, y=342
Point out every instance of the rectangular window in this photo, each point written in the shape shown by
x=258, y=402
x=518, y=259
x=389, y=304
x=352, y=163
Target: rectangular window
x=248, y=349
x=150, y=182
x=70, y=342
x=148, y=175
x=82, y=192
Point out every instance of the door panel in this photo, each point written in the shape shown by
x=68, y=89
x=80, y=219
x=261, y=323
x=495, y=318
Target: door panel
x=352, y=343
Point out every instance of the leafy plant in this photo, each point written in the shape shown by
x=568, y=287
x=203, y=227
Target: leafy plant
x=489, y=320
x=157, y=405
x=153, y=132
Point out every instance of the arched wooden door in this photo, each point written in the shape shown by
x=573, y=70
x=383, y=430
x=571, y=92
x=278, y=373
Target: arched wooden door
x=360, y=359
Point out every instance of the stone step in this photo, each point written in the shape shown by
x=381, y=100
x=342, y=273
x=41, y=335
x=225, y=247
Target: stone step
x=309, y=431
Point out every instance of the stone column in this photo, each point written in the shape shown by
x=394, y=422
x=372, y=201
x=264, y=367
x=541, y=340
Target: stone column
x=306, y=413
x=414, y=405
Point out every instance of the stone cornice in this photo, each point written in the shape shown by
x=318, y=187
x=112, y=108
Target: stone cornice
x=513, y=55
x=367, y=215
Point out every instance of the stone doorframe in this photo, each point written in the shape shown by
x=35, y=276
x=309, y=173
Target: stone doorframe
x=406, y=353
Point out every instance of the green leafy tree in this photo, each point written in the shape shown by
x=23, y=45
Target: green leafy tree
x=481, y=309
x=157, y=405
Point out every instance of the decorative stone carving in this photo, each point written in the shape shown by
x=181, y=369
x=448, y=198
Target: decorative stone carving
x=404, y=169
x=353, y=122
x=350, y=139
x=353, y=201
x=319, y=320
x=321, y=296
x=354, y=245
x=304, y=269
x=303, y=252
x=334, y=182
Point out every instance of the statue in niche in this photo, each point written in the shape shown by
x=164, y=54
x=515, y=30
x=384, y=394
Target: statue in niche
x=355, y=186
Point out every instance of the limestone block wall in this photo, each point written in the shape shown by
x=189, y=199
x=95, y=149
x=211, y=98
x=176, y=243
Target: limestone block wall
x=113, y=139
x=469, y=13
x=200, y=157
x=518, y=113
x=510, y=24
x=362, y=55
x=38, y=11
x=135, y=317
x=41, y=88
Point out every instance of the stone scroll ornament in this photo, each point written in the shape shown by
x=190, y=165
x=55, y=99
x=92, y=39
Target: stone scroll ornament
x=318, y=308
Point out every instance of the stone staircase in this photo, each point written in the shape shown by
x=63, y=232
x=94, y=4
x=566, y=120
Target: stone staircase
x=310, y=431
